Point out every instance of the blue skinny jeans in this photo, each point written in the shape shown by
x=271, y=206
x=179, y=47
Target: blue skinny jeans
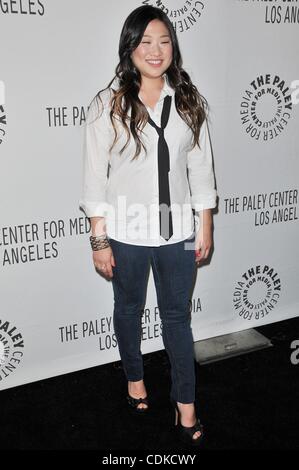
x=173, y=270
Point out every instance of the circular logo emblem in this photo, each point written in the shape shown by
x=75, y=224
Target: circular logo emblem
x=183, y=15
x=2, y=123
x=266, y=107
x=11, y=348
x=2, y=353
x=257, y=293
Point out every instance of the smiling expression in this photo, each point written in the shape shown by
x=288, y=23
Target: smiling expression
x=153, y=55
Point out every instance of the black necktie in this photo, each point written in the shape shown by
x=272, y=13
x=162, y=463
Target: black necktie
x=165, y=216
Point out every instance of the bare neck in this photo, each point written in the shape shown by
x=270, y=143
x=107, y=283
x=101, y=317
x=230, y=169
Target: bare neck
x=151, y=85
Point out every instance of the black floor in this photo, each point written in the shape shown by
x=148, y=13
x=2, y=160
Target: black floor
x=247, y=402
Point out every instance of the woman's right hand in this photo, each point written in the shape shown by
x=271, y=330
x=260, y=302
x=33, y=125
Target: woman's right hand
x=103, y=261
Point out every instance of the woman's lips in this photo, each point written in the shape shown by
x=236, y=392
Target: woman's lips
x=155, y=63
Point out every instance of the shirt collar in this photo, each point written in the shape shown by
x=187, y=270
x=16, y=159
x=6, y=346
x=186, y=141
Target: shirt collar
x=166, y=90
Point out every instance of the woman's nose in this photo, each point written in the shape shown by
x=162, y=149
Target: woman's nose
x=155, y=49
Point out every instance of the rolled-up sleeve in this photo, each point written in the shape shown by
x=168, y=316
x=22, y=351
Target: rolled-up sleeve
x=96, y=144
x=200, y=173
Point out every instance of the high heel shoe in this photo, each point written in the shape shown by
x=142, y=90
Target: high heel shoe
x=134, y=402
x=186, y=432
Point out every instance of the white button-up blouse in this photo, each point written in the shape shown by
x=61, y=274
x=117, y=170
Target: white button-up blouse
x=126, y=191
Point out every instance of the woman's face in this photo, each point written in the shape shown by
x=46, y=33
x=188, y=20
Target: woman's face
x=153, y=55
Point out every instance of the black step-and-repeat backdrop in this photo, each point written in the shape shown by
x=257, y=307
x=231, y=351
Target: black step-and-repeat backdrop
x=56, y=311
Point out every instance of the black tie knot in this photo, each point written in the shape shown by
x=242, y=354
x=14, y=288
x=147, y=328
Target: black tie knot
x=160, y=132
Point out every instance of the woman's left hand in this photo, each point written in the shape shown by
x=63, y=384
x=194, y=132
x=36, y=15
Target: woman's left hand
x=203, y=238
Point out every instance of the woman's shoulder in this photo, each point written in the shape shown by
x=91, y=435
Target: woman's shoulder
x=100, y=102
x=104, y=96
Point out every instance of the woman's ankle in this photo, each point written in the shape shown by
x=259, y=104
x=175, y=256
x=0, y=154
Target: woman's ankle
x=187, y=411
x=137, y=387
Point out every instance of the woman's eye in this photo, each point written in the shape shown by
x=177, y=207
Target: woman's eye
x=145, y=42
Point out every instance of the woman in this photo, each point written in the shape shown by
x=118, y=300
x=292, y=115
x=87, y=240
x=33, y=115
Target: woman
x=146, y=147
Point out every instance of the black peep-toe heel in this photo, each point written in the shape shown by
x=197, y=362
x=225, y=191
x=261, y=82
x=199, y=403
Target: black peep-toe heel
x=134, y=402
x=186, y=433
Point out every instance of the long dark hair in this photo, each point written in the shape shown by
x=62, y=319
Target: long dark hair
x=190, y=104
